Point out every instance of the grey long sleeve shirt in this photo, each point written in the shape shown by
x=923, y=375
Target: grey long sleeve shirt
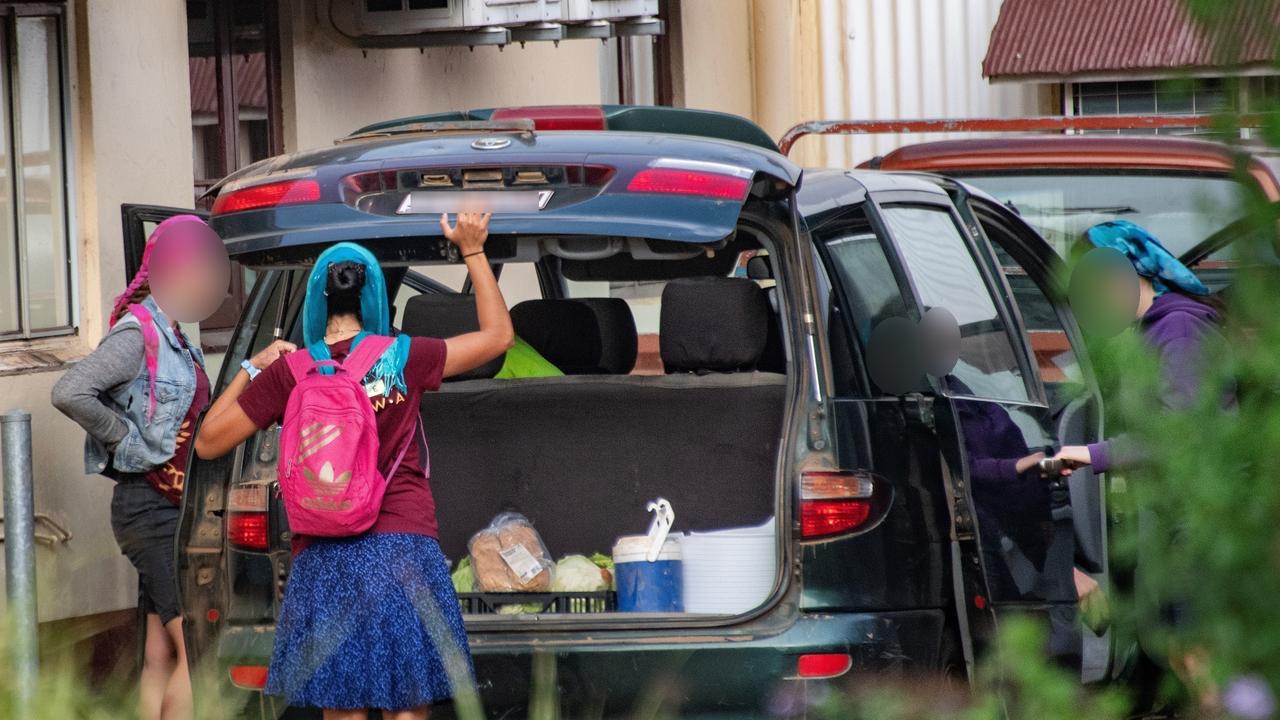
x=78, y=395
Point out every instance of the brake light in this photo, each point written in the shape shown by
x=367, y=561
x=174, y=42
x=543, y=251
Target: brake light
x=555, y=117
x=817, y=666
x=248, y=521
x=285, y=192
x=835, y=502
x=679, y=181
x=249, y=677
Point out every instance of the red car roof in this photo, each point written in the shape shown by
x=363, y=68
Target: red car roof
x=1074, y=152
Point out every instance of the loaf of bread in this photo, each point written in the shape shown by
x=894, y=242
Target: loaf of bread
x=509, y=556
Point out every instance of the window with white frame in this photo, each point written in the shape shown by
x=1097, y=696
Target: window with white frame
x=35, y=255
x=1152, y=97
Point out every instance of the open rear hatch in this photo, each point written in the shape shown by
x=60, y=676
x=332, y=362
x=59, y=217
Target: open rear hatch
x=580, y=455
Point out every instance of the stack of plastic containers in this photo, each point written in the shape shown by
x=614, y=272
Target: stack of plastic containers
x=728, y=572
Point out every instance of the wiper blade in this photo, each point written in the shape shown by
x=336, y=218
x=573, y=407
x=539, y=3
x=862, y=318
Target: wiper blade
x=523, y=126
x=1100, y=210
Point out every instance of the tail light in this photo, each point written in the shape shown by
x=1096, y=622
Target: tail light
x=248, y=518
x=285, y=192
x=556, y=117
x=681, y=181
x=840, y=502
x=249, y=677
x=819, y=666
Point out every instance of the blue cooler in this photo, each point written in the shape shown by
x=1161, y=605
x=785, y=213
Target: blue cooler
x=645, y=586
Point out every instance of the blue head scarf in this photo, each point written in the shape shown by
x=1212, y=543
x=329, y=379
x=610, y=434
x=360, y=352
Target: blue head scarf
x=1150, y=259
x=375, y=316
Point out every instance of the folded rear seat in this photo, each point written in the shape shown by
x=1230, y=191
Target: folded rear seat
x=581, y=455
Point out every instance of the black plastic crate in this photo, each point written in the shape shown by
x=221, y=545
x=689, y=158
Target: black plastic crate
x=548, y=602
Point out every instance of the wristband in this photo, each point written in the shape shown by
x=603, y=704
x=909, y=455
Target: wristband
x=250, y=368
x=478, y=252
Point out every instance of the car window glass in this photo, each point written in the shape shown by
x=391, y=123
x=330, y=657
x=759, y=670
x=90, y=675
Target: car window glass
x=856, y=259
x=1056, y=361
x=944, y=274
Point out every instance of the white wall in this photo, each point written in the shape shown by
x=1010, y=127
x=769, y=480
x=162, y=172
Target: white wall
x=900, y=59
x=331, y=88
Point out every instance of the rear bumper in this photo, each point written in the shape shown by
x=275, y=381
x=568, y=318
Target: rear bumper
x=698, y=674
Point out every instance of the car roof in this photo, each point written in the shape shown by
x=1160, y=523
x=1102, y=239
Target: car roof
x=1075, y=152
x=830, y=189
x=635, y=118
x=1066, y=151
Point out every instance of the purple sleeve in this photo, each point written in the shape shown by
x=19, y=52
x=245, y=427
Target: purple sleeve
x=993, y=469
x=1100, y=456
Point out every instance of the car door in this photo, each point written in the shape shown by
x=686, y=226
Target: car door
x=996, y=402
x=924, y=556
x=1029, y=268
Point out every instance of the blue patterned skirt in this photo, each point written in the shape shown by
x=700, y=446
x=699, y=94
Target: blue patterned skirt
x=370, y=622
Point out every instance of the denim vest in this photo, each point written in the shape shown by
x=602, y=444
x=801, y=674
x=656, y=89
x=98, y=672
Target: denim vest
x=149, y=444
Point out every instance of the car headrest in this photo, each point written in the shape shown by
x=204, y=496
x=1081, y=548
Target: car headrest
x=618, y=341
x=565, y=332
x=712, y=324
x=444, y=316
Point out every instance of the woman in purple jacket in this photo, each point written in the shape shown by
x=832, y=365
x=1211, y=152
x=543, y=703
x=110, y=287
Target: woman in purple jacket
x=1177, y=318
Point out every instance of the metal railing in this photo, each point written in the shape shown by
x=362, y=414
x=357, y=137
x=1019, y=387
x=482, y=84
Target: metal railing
x=19, y=549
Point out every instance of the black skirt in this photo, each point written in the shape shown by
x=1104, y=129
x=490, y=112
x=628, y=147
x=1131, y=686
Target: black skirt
x=145, y=524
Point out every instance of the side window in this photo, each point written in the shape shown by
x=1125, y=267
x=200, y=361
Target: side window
x=867, y=288
x=944, y=274
x=1055, y=359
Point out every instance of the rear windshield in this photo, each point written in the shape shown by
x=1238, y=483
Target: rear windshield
x=1180, y=210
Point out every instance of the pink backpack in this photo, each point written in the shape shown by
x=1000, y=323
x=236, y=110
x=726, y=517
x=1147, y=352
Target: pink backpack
x=328, y=468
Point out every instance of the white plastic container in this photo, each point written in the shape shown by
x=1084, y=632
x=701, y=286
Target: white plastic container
x=728, y=572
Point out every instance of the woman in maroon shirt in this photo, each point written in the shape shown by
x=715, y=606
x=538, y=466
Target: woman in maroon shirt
x=371, y=621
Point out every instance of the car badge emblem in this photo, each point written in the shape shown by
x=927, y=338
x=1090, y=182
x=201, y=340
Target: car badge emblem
x=491, y=143
x=544, y=197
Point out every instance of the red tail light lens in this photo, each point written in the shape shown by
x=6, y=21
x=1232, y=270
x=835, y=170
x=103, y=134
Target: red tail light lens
x=248, y=531
x=823, y=665
x=286, y=192
x=249, y=677
x=822, y=518
x=248, y=521
x=836, y=502
x=676, y=181
x=556, y=117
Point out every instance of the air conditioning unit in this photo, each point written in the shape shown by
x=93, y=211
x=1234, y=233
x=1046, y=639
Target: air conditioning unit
x=587, y=10
x=410, y=17
x=419, y=23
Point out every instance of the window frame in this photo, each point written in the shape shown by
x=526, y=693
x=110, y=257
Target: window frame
x=9, y=14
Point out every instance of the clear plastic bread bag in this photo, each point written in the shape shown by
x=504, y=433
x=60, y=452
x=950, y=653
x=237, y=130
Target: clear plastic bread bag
x=509, y=556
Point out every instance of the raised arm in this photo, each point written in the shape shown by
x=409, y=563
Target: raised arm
x=495, y=336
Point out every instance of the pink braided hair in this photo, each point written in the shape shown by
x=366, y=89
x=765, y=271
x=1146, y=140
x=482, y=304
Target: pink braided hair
x=150, y=336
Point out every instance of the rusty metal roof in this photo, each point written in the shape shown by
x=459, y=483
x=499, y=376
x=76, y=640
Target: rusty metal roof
x=1063, y=38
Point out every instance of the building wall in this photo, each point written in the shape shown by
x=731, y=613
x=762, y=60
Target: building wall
x=885, y=59
x=321, y=68
x=131, y=143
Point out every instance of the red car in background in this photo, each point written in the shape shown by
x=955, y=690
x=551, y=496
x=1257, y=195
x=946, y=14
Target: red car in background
x=1187, y=192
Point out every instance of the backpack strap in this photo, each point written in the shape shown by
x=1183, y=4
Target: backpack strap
x=361, y=360
x=301, y=363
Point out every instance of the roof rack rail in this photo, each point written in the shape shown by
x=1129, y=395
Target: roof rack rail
x=1056, y=123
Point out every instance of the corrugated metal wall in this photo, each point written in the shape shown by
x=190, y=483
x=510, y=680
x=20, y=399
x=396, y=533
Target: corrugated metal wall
x=898, y=59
